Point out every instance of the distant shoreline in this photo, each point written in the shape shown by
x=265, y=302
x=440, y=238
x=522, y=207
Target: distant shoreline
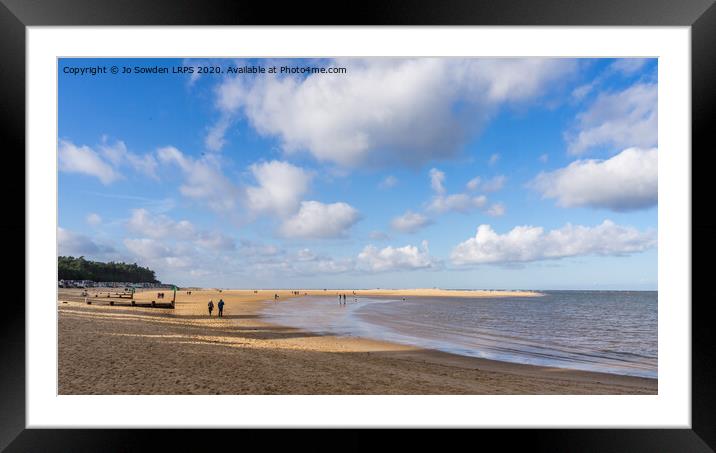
x=415, y=292
x=446, y=291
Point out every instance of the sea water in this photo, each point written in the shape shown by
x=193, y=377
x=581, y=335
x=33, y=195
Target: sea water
x=607, y=331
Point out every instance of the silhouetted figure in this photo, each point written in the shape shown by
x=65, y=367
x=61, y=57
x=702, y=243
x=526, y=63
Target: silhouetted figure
x=221, y=308
x=211, y=307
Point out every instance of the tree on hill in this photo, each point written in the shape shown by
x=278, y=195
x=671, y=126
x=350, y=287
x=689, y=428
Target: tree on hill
x=71, y=268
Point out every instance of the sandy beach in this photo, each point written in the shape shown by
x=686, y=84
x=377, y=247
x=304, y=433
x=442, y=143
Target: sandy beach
x=122, y=349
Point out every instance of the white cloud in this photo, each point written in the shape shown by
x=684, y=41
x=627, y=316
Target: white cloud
x=147, y=248
x=280, y=188
x=490, y=185
x=323, y=265
x=83, y=159
x=215, y=241
x=178, y=262
x=378, y=236
x=300, y=263
x=386, y=110
x=389, y=258
x=278, y=191
x=75, y=244
x=388, y=182
x=409, y=222
x=459, y=202
x=437, y=179
x=316, y=220
x=528, y=243
x=159, y=255
x=493, y=159
x=625, y=182
x=494, y=184
x=93, y=219
x=474, y=183
x=623, y=66
x=159, y=226
x=308, y=262
x=628, y=66
x=582, y=91
x=620, y=120
x=496, y=210
x=305, y=255
x=253, y=249
x=214, y=139
x=203, y=180
x=119, y=156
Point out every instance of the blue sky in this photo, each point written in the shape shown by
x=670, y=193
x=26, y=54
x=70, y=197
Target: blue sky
x=454, y=173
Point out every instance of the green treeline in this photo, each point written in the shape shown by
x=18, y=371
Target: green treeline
x=71, y=268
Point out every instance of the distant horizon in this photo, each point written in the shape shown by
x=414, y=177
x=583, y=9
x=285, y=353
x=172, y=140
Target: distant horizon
x=405, y=288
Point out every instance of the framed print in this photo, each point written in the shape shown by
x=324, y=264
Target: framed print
x=251, y=224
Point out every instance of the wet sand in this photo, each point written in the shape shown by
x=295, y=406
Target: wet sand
x=134, y=350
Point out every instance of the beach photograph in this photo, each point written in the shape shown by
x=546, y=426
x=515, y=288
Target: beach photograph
x=357, y=226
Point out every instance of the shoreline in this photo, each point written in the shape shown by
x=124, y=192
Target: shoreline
x=259, y=357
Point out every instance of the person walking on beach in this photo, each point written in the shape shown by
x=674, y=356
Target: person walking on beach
x=221, y=308
x=211, y=306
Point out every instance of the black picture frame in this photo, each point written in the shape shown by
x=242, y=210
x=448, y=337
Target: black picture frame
x=700, y=15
